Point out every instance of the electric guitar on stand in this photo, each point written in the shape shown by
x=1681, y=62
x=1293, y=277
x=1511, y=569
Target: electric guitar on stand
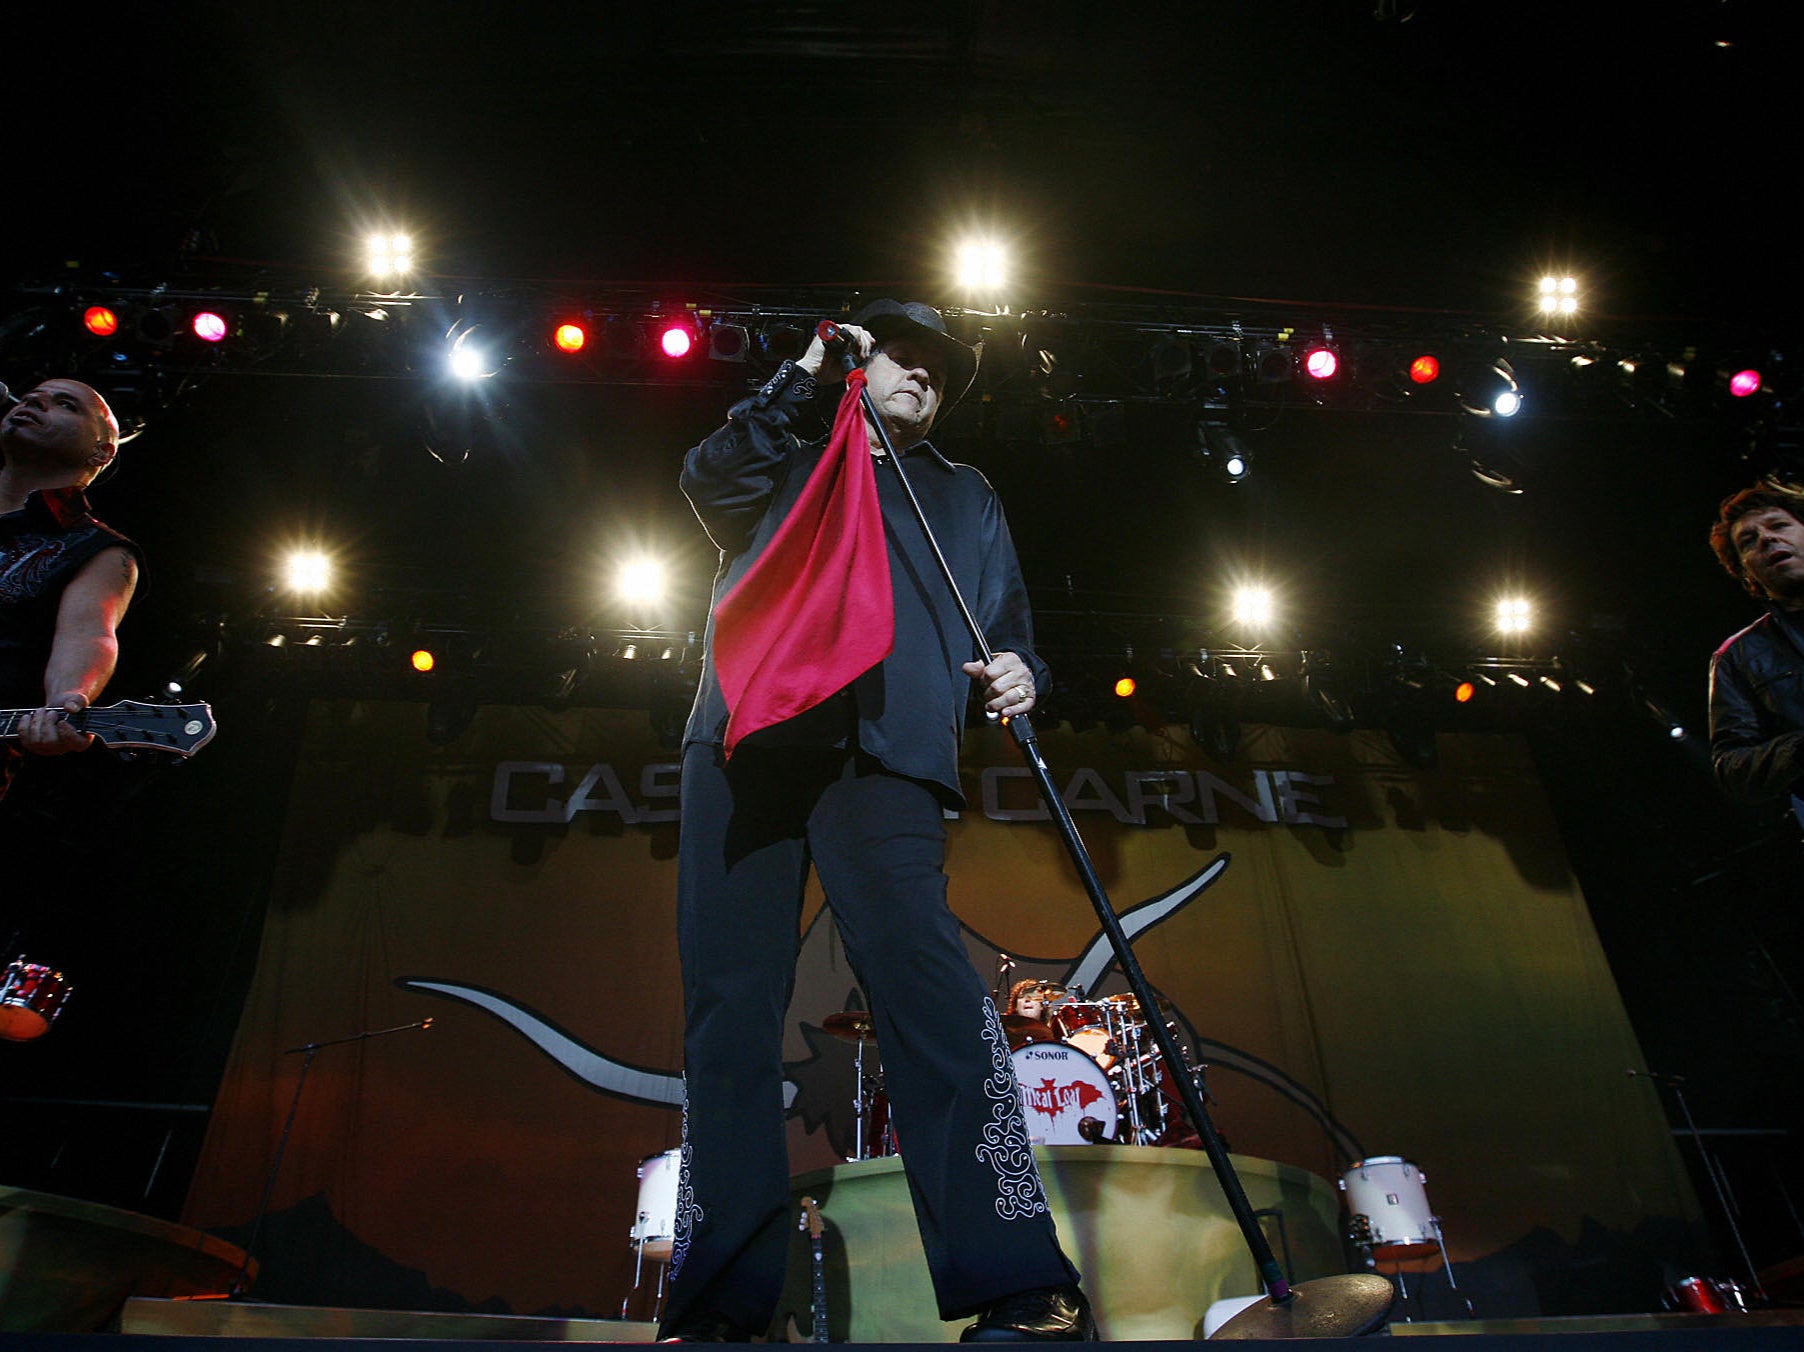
x=811, y=1222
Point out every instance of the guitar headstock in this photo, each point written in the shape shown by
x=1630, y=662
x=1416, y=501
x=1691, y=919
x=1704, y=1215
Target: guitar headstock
x=811, y=1218
x=132, y=725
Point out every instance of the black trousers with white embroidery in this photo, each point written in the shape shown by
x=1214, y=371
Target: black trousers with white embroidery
x=750, y=830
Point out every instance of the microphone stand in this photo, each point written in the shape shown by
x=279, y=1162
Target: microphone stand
x=1712, y=1170
x=241, y=1283
x=1328, y=1307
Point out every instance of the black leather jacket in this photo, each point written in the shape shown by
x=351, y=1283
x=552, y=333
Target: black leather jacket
x=1757, y=709
x=744, y=479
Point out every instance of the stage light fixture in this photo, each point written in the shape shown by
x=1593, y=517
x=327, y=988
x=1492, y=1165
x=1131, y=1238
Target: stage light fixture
x=307, y=571
x=728, y=342
x=1513, y=615
x=640, y=582
x=1171, y=366
x=1745, y=383
x=100, y=321
x=1559, y=296
x=1490, y=391
x=471, y=355
x=1425, y=369
x=1223, y=451
x=1125, y=686
x=981, y=265
x=1321, y=362
x=388, y=255
x=209, y=326
x=1252, y=606
x=422, y=660
x=1221, y=363
x=160, y=325
x=676, y=339
x=1273, y=364
x=781, y=341
x=570, y=337
x=1463, y=692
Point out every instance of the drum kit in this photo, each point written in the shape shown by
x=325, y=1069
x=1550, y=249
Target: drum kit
x=31, y=996
x=1088, y=1072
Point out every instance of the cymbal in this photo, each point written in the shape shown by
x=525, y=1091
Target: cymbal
x=851, y=1025
x=1328, y=1307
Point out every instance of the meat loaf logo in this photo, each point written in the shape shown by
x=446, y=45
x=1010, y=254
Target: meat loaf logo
x=1051, y=1099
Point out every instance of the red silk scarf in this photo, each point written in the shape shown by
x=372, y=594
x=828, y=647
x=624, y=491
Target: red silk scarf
x=814, y=612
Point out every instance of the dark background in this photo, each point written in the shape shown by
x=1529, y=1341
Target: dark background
x=1400, y=171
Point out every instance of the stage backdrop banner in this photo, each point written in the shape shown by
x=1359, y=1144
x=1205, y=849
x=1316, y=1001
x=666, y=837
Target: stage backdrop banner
x=1372, y=959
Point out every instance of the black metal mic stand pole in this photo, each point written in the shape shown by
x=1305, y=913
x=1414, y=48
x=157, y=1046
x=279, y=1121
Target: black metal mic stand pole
x=1326, y=1307
x=1712, y=1170
x=311, y=1050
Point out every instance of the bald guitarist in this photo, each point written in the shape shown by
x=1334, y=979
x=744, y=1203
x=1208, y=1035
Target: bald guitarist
x=66, y=578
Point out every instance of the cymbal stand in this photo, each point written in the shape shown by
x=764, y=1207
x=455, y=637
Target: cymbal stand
x=861, y=1107
x=1337, y=1306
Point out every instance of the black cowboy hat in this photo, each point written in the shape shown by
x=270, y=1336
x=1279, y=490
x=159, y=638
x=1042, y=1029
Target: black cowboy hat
x=886, y=319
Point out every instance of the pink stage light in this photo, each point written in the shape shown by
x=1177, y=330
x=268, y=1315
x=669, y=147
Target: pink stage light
x=1744, y=383
x=675, y=341
x=209, y=326
x=1321, y=363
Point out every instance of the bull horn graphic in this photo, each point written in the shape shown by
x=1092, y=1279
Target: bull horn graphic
x=665, y=1089
x=1098, y=957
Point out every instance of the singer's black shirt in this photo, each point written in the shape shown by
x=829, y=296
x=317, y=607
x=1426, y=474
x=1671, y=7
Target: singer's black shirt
x=908, y=710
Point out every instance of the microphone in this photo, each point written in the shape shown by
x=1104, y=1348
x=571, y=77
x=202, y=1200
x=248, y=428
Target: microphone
x=7, y=396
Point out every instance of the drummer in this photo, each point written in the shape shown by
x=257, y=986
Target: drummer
x=1033, y=999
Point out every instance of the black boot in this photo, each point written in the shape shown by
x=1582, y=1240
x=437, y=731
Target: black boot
x=1049, y=1314
x=704, y=1326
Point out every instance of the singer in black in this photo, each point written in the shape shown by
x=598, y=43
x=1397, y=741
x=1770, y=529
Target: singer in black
x=1757, y=676
x=856, y=788
x=66, y=578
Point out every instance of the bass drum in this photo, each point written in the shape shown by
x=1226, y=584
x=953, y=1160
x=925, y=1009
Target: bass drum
x=1066, y=1097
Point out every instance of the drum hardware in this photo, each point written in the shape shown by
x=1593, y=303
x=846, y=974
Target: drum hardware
x=871, y=1134
x=31, y=996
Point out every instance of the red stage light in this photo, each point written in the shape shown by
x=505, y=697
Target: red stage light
x=1425, y=369
x=570, y=337
x=100, y=321
x=1125, y=687
x=1464, y=691
x=1744, y=383
x=1321, y=363
x=208, y=326
x=676, y=340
